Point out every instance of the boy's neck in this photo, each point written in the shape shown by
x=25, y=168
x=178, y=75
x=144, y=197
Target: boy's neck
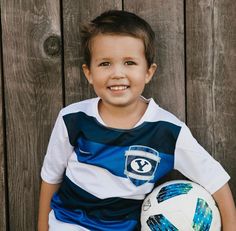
x=122, y=117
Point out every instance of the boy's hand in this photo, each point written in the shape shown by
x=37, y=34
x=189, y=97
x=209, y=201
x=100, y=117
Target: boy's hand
x=46, y=193
x=225, y=202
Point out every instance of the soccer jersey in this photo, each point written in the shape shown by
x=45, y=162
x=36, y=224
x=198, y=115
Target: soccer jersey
x=105, y=173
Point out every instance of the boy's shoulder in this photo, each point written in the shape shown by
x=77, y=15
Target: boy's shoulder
x=87, y=106
x=157, y=113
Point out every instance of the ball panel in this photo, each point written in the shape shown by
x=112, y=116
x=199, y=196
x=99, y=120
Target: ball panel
x=202, y=217
x=160, y=223
x=173, y=190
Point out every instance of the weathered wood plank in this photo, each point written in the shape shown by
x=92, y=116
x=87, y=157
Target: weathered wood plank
x=211, y=82
x=2, y=155
x=33, y=94
x=167, y=20
x=76, y=12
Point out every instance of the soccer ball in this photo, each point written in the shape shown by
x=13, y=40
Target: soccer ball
x=180, y=205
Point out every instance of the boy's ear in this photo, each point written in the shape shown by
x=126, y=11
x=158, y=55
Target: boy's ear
x=87, y=73
x=150, y=72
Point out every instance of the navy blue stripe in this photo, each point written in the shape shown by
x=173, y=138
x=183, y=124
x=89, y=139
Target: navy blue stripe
x=74, y=198
x=160, y=135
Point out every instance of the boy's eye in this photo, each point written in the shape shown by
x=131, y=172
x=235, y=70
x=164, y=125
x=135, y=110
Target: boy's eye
x=104, y=64
x=130, y=63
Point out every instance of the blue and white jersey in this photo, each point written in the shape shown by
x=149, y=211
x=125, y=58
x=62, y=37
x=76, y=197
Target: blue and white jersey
x=105, y=173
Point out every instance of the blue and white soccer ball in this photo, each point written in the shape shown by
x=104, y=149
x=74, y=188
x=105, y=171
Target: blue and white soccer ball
x=180, y=205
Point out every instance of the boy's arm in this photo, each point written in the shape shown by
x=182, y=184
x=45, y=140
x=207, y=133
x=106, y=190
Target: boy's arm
x=46, y=193
x=225, y=202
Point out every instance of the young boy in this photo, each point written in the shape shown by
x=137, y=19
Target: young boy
x=105, y=154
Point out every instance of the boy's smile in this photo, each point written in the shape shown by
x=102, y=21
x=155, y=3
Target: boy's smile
x=118, y=69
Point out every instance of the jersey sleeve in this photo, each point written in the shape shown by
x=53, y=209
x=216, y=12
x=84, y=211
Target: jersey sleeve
x=58, y=152
x=194, y=162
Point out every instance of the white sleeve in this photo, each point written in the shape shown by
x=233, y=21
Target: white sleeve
x=193, y=161
x=58, y=152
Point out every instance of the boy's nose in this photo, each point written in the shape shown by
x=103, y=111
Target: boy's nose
x=118, y=71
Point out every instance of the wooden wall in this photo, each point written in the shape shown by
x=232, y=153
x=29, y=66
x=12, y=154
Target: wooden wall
x=40, y=65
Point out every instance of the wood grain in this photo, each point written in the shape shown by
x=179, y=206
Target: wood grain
x=3, y=186
x=211, y=82
x=76, y=12
x=167, y=20
x=33, y=94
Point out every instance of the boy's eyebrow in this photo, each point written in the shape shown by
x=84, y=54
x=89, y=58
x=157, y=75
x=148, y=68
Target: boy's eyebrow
x=101, y=59
x=109, y=58
x=131, y=57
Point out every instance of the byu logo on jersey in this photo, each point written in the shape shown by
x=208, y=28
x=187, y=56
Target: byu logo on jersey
x=141, y=164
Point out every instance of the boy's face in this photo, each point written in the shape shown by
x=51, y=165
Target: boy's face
x=118, y=69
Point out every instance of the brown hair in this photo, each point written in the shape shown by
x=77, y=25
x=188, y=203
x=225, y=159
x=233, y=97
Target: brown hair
x=117, y=22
